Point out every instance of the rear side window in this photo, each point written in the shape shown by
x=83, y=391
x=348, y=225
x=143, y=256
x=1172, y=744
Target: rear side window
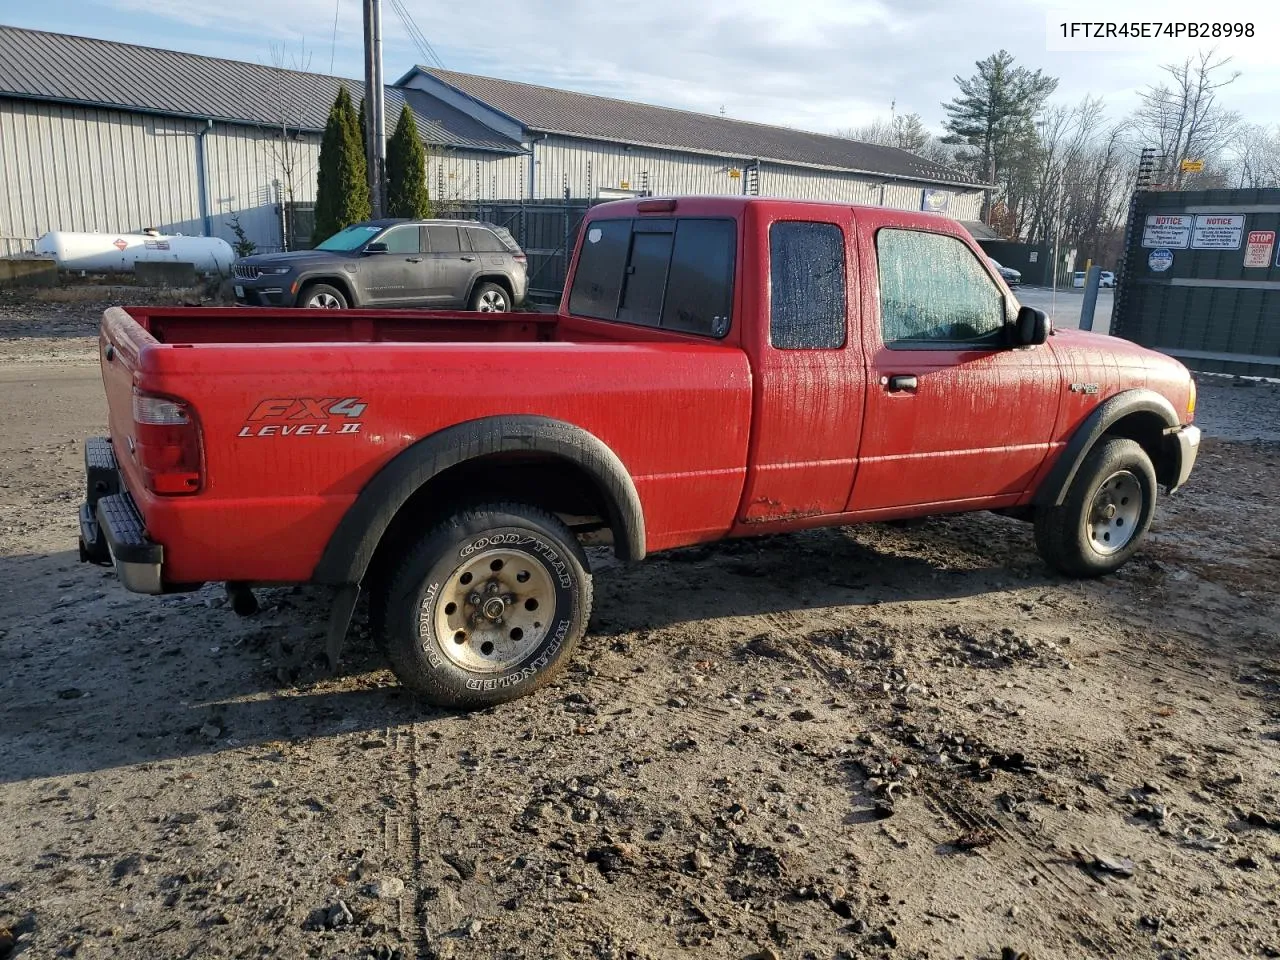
x=675, y=274
x=444, y=239
x=807, y=300
x=700, y=284
x=482, y=241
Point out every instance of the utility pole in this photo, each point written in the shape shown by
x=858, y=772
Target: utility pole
x=376, y=108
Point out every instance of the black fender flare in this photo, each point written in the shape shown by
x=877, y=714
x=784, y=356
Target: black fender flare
x=1053, y=489
x=352, y=544
x=483, y=277
x=333, y=279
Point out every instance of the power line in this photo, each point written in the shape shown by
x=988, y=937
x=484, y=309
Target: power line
x=333, y=45
x=416, y=35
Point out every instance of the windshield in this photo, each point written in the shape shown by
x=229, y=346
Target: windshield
x=356, y=235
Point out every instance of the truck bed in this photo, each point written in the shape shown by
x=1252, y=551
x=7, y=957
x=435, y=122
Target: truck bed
x=299, y=409
x=193, y=325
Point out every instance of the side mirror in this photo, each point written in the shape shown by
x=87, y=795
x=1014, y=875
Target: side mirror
x=1031, y=328
x=376, y=247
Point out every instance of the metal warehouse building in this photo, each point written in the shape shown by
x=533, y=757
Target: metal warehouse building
x=111, y=137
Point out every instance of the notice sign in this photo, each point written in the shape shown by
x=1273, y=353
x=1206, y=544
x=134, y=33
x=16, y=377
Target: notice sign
x=1217, y=232
x=1257, y=252
x=1168, y=230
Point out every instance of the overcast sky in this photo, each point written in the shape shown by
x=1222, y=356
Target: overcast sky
x=814, y=64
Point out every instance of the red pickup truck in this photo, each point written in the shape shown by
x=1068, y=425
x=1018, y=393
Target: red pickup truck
x=718, y=367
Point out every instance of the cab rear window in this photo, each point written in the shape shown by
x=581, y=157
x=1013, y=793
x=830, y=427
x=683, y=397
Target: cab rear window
x=676, y=274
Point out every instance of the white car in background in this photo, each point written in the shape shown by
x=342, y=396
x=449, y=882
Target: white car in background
x=1108, y=279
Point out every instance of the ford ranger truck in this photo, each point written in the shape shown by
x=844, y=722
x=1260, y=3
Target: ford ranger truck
x=718, y=367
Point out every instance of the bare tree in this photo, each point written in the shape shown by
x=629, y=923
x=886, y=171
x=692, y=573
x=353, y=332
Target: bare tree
x=1255, y=157
x=288, y=147
x=906, y=132
x=1183, y=118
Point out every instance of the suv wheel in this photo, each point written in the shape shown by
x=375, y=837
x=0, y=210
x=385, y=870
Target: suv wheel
x=487, y=607
x=490, y=298
x=322, y=296
x=1106, y=512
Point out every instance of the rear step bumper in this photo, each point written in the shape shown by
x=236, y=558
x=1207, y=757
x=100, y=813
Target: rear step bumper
x=111, y=529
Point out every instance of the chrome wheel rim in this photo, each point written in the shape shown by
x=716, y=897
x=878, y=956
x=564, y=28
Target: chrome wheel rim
x=491, y=301
x=1112, y=520
x=324, y=301
x=493, y=611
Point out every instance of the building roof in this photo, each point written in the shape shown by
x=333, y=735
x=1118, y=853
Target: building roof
x=547, y=110
x=57, y=67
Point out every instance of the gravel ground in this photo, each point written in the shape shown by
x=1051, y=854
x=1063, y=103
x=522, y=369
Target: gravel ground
x=901, y=742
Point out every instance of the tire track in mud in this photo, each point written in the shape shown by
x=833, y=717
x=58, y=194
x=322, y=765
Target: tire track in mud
x=402, y=840
x=1063, y=890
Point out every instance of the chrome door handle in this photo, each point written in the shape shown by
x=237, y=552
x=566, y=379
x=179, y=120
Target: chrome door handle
x=902, y=383
x=468, y=259
x=414, y=259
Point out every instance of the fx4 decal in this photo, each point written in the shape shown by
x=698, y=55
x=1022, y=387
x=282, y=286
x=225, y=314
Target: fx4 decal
x=304, y=417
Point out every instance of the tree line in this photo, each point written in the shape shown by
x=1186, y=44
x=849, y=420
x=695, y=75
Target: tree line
x=1066, y=171
x=342, y=180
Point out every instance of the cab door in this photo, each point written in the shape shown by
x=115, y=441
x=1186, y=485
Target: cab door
x=453, y=265
x=956, y=413
x=399, y=274
x=807, y=365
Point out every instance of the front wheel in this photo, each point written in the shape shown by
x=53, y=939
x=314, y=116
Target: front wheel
x=490, y=298
x=322, y=296
x=487, y=607
x=1105, y=514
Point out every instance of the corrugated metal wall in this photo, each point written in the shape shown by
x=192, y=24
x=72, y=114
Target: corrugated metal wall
x=587, y=166
x=72, y=168
x=459, y=176
x=250, y=171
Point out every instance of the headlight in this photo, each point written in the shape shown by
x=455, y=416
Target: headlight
x=1191, y=401
x=274, y=271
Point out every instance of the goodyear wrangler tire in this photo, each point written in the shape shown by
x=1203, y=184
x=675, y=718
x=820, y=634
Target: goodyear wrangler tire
x=487, y=607
x=1105, y=515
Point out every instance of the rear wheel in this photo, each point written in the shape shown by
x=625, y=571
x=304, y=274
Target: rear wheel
x=490, y=298
x=1105, y=515
x=322, y=296
x=487, y=607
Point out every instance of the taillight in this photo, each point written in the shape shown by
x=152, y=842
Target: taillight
x=1191, y=402
x=520, y=258
x=167, y=444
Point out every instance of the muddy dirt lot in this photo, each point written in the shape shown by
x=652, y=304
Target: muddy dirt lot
x=899, y=742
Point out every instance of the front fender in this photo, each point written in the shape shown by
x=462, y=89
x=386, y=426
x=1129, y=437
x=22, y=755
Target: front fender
x=1053, y=489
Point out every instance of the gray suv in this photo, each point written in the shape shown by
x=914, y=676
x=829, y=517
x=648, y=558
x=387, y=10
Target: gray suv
x=446, y=264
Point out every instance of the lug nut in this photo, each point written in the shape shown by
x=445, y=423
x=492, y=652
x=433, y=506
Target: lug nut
x=492, y=587
x=474, y=599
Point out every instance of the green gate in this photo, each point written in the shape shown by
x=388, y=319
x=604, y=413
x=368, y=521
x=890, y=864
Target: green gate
x=1200, y=279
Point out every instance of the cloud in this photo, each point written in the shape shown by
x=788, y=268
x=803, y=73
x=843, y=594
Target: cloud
x=814, y=64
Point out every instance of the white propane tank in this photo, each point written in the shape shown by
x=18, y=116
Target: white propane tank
x=118, y=252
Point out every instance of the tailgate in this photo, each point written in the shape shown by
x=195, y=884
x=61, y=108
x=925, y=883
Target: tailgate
x=121, y=342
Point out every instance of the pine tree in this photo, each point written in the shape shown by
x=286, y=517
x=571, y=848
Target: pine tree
x=342, y=184
x=407, y=194
x=993, y=115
